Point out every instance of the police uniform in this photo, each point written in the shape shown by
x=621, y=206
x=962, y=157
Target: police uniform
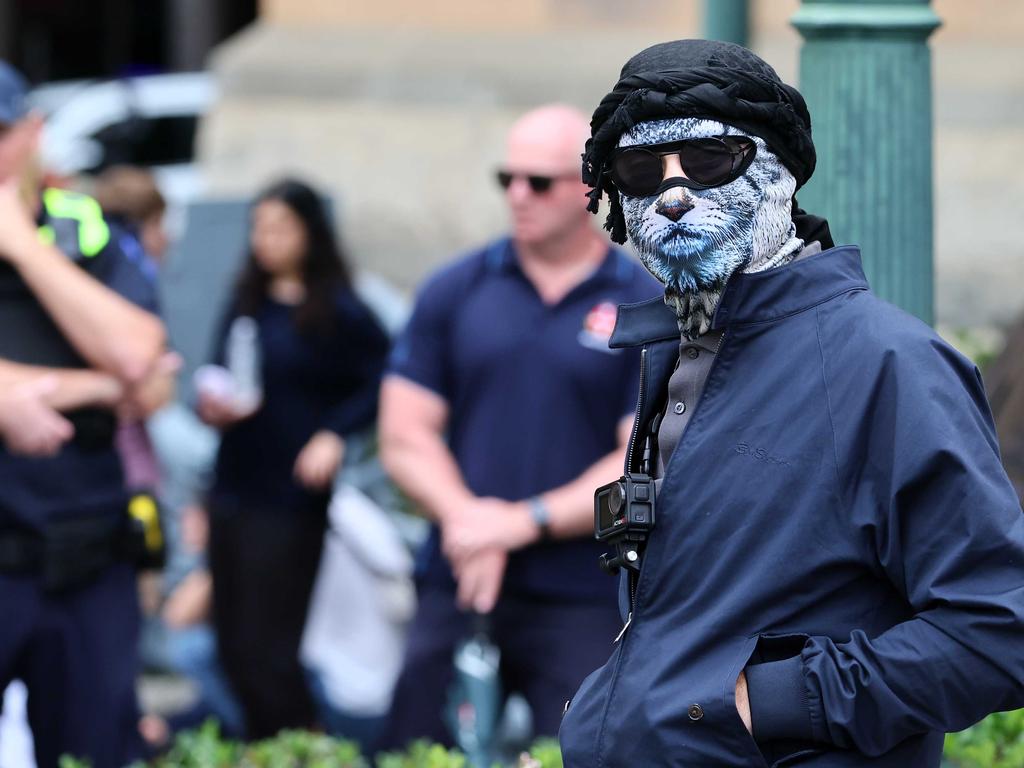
x=535, y=399
x=70, y=609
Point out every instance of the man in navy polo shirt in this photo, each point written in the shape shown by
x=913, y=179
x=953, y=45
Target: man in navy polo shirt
x=503, y=410
x=73, y=314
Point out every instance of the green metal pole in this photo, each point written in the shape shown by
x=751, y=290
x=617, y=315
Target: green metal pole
x=865, y=71
x=727, y=20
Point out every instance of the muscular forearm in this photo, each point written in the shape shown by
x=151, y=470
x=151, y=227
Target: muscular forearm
x=423, y=467
x=73, y=388
x=572, y=505
x=491, y=523
x=110, y=332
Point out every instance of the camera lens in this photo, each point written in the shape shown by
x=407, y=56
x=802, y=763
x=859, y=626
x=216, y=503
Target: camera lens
x=616, y=499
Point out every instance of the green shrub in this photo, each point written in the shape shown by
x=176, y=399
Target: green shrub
x=300, y=749
x=995, y=742
x=422, y=754
x=202, y=748
x=545, y=753
x=205, y=748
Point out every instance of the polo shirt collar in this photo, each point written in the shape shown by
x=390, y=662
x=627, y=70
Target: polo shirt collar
x=752, y=297
x=616, y=265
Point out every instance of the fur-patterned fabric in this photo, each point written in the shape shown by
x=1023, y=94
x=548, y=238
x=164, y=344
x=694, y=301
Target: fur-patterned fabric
x=745, y=224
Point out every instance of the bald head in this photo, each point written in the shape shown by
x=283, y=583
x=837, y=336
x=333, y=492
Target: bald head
x=548, y=140
x=546, y=196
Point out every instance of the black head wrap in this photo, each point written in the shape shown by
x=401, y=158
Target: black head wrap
x=698, y=78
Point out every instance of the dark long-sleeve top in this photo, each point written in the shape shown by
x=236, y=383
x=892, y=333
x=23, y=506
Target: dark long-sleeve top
x=310, y=383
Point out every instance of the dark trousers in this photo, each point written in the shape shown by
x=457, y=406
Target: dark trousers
x=76, y=654
x=546, y=651
x=263, y=566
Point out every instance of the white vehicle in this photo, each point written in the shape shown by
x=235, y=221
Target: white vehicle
x=148, y=121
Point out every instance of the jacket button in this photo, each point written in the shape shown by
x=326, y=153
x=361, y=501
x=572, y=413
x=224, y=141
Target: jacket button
x=680, y=407
x=695, y=712
x=692, y=353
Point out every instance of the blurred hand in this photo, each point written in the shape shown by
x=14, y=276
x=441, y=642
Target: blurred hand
x=154, y=391
x=219, y=412
x=150, y=586
x=195, y=528
x=28, y=425
x=18, y=145
x=190, y=601
x=154, y=731
x=479, y=580
x=319, y=460
x=486, y=523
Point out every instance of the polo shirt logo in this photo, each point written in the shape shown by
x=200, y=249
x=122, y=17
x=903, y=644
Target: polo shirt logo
x=598, y=326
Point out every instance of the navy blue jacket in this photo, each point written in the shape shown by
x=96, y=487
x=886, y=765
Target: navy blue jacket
x=836, y=521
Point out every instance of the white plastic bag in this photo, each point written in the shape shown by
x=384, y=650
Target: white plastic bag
x=363, y=599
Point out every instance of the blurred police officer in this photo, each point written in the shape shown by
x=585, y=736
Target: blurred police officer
x=503, y=410
x=73, y=312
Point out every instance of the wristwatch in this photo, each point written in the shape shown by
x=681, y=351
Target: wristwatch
x=541, y=515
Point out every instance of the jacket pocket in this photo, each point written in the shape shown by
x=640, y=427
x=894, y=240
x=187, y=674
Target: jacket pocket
x=743, y=740
x=790, y=754
x=583, y=717
x=777, y=647
x=783, y=752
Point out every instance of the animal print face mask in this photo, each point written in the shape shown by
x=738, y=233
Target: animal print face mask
x=745, y=224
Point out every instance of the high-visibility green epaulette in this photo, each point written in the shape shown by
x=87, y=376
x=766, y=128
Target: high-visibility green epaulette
x=93, y=232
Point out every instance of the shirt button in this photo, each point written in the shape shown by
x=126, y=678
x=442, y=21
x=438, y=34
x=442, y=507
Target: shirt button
x=695, y=712
x=680, y=407
x=692, y=353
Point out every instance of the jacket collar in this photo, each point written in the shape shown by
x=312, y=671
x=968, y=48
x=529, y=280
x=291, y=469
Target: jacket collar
x=752, y=297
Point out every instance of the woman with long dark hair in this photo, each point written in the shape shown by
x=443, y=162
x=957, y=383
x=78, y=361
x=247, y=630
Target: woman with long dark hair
x=320, y=356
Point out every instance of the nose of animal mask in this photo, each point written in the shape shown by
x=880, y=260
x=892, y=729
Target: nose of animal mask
x=673, y=206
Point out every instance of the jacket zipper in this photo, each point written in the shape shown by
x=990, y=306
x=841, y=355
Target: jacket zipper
x=599, y=740
x=634, y=577
x=639, y=408
x=629, y=620
x=629, y=468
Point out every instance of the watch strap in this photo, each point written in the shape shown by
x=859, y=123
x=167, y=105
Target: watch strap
x=541, y=515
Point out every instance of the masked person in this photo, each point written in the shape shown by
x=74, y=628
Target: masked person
x=502, y=409
x=835, y=574
x=77, y=314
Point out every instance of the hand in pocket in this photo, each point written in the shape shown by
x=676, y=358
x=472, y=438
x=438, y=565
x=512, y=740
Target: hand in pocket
x=743, y=702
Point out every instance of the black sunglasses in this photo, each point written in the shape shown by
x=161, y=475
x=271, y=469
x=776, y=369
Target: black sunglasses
x=539, y=184
x=707, y=163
